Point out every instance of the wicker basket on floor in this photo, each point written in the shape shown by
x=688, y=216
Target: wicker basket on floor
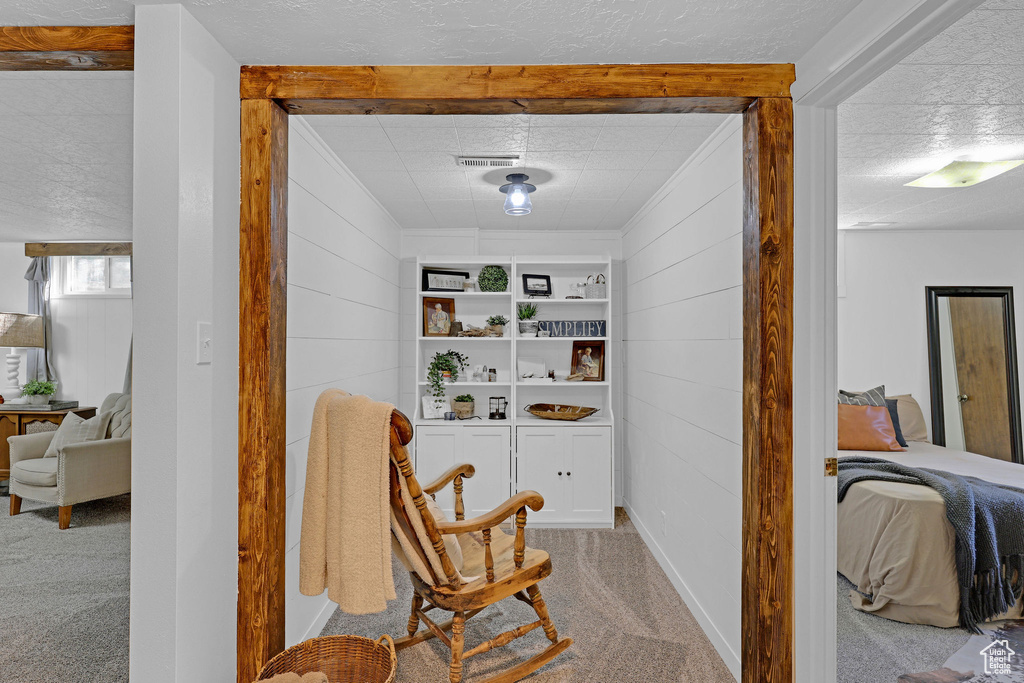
x=345, y=659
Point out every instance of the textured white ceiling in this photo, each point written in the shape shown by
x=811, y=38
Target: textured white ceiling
x=591, y=171
x=960, y=94
x=467, y=31
x=66, y=151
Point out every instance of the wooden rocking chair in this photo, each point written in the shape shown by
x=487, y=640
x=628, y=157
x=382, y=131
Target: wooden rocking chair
x=494, y=569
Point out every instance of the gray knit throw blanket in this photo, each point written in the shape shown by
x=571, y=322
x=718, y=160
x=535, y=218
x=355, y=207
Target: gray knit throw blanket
x=989, y=523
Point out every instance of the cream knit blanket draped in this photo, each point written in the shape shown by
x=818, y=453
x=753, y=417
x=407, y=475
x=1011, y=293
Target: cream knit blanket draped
x=346, y=535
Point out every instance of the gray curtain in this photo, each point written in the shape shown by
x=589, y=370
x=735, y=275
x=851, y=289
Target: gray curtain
x=40, y=361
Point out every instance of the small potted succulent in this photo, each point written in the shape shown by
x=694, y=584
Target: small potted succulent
x=527, y=325
x=496, y=324
x=39, y=392
x=463, y=405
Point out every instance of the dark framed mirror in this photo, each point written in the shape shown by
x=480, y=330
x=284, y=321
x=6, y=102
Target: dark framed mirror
x=972, y=360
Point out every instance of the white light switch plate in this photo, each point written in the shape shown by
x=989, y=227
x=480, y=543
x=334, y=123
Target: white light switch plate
x=204, y=343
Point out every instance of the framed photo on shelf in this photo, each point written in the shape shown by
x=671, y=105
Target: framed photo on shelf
x=588, y=360
x=536, y=285
x=443, y=280
x=438, y=316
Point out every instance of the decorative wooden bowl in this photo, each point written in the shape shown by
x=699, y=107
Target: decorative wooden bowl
x=552, y=411
x=345, y=659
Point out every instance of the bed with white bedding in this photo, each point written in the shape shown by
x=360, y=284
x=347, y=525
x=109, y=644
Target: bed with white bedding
x=895, y=543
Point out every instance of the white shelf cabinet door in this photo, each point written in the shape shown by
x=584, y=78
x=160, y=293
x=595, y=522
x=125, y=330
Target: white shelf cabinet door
x=571, y=468
x=539, y=468
x=488, y=449
x=588, y=467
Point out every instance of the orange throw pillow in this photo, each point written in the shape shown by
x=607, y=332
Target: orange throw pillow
x=866, y=428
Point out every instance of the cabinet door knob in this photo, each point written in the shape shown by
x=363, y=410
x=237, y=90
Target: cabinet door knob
x=568, y=474
x=559, y=474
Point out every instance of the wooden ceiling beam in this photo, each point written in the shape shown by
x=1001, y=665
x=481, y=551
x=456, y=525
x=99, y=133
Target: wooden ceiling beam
x=462, y=89
x=67, y=48
x=624, y=105
x=33, y=249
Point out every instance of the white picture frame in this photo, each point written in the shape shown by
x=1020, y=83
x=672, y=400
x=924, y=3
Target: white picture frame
x=434, y=408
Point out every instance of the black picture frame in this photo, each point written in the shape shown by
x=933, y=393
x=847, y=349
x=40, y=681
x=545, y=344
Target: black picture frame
x=427, y=272
x=536, y=285
x=932, y=295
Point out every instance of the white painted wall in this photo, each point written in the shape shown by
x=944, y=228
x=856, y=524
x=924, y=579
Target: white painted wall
x=91, y=337
x=883, y=334
x=343, y=320
x=13, y=286
x=474, y=242
x=683, y=368
x=184, y=558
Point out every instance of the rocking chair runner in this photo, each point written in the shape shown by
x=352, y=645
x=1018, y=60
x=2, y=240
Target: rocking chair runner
x=495, y=565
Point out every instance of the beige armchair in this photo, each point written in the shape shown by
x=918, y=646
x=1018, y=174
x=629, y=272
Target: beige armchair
x=81, y=471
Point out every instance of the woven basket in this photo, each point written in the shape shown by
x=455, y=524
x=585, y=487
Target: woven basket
x=598, y=289
x=345, y=659
x=550, y=411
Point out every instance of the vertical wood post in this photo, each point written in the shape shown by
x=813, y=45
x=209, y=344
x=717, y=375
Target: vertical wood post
x=767, y=605
x=261, y=394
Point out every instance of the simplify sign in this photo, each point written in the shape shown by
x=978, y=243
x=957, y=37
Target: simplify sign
x=574, y=328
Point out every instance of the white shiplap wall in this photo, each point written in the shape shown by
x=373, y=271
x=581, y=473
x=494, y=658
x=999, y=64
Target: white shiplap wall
x=343, y=320
x=91, y=337
x=683, y=346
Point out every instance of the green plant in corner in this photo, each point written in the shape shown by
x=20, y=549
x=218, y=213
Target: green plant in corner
x=497, y=320
x=464, y=398
x=451, y=361
x=527, y=311
x=39, y=388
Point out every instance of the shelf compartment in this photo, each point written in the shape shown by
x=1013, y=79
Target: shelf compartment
x=559, y=385
x=562, y=301
x=579, y=339
x=478, y=340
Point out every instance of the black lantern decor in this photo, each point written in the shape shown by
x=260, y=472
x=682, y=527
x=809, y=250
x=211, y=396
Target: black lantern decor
x=497, y=406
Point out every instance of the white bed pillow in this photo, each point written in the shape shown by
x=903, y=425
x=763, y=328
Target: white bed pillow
x=912, y=421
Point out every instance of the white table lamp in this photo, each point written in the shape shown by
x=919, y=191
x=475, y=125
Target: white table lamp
x=18, y=331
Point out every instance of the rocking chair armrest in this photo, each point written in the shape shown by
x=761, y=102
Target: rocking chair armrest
x=509, y=508
x=465, y=470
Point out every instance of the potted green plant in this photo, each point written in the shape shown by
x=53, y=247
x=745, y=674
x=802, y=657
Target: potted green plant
x=496, y=323
x=527, y=325
x=464, y=405
x=444, y=362
x=39, y=392
x=492, y=279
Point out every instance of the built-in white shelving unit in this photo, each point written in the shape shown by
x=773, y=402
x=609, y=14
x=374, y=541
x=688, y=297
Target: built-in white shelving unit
x=569, y=463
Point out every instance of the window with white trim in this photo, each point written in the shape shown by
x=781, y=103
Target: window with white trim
x=92, y=276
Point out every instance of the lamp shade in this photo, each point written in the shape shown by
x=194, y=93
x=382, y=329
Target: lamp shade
x=517, y=194
x=20, y=330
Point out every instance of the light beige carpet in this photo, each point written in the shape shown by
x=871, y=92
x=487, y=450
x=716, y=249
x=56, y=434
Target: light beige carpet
x=606, y=592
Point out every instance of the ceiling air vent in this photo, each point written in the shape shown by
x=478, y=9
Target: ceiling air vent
x=507, y=161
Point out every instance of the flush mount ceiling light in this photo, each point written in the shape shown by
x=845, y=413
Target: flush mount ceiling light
x=962, y=173
x=517, y=194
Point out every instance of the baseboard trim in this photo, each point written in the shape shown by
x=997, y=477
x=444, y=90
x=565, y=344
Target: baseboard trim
x=731, y=659
x=321, y=620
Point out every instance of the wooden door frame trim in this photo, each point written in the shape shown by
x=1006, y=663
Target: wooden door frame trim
x=759, y=92
x=67, y=48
